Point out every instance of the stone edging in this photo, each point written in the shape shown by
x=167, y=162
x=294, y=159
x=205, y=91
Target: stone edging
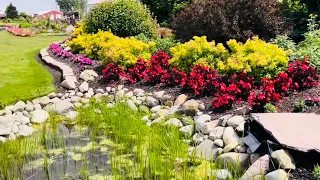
x=69, y=78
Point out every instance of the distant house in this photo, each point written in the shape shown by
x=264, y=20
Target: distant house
x=53, y=15
x=3, y=15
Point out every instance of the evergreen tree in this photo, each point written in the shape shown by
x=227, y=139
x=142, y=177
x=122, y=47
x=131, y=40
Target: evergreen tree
x=11, y=12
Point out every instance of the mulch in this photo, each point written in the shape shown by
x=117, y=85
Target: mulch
x=304, y=169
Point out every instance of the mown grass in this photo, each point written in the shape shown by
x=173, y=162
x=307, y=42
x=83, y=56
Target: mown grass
x=22, y=78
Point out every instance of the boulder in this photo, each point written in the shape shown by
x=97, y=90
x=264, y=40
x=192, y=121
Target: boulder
x=3, y=139
x=216, y=133
x=25, y=130
x=68, y=84
x=163, y=112
x=229, y=135
x=52, y=95
x=190, y=104
x=238, y=161
x=62, y=107
x=131, y=105
x=84, y=87
x=155, y=108
x=200, y=122
x=235, y=121
x=29, y=106
x=259, y=167
x=279, y=174
x=187, y=131
x=207, y=150
x=284, y=159
x=19, y=106
x=209, y=126
x=224, y=119
x=254, y=157
x=197, y=138
x=219, y=174
x=75, y=99
x=22, y=119
x=158, y=94
x=39, y=116
x=180, y=100
x=219, y=142
x=6, y=125
x=230, y=146
x=138, y=91
x=151, y=102
x=174, y=122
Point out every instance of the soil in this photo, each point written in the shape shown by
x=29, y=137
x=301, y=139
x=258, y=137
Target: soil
x=305, y=165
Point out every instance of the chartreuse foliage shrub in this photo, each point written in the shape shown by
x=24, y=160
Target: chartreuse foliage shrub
x=198, y=51
x=123, y=17
x=255, y=57
x=110, y=48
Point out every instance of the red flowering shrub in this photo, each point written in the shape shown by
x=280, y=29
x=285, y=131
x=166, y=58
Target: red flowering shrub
x=158, y=66
x=137, y=73
x=174, y=77
x=202, y=80
x=113, y=72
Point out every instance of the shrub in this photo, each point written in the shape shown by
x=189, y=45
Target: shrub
x=25, y=25
x=256, y=57
x=137, y=73
x=158, y=66
x=316, y=172
x=164, y=44
x=173, y=77
x=109, y=48
x=299, y=106
x=270, y=108
x=113, y=72
x=221, y=20
x=198, y=51
x=123, y=17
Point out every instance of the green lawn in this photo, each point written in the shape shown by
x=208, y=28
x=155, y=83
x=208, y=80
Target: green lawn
x=21, y=77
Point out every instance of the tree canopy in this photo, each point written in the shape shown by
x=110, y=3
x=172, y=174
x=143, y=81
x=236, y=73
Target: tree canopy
x=71, y=5
x=11, y=12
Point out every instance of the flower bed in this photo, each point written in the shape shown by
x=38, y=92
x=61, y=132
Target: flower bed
x=19, y=32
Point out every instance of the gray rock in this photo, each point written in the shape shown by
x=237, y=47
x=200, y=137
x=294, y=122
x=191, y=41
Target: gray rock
x=186, y=120
x=22, y=119
x=72, y=114
x=254, y=157
x=129, y=94
x=137, y=102
x=155, y=108
x=200, y=122
x=68, y=84
x=158, y=120
x=85, y=101
x=29, y=107
x=7, y=112
x=62, y=107
x=180, y=100
x=202, y=107
x=238, y=161
x=260, y=167
x=54, y=100
x=101, y=91
x=137, y=91
x=12, y=136
x=174, y=110
x=207, y=150
x=219, y=174
x=25, y=130
x=131, y=105
x=19, y=106
x=120, y=87
x=279, y=174
x=174, y=122
x=229, y=135
x=143, y=108
x=74, y=99
x=224, y=119
x=230, y=146
x=87, y=95
x=284, y=159
x=187, y=131
x=37, y=106
x=39, y=116
x=52, y=95
x=59, y=95
x=216, y=133
x=9, y=108
x=162, y=112
x=18, y=113
x=241, y=149
x=79, y=94
x=235, y=121
x=219, y=143
x=190, y=104
x=152, y=102
x=84, y=87
x=197, y=138
x=145, y=118
x=6, y=125
x=158, y=94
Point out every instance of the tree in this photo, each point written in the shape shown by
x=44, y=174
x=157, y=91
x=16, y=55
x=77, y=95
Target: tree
x=11, y=12
x=71, y=5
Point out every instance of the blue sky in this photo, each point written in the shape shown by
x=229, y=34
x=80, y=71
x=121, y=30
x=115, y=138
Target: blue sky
x=33, y=6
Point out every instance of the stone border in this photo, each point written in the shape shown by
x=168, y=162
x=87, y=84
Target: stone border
x=69, y=78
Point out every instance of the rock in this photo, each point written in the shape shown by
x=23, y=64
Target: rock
x=85, y=101
x=3, y=139
x=88, y=75
x=137, y=102
x=2, y=112
x=19, y=106
x=101, y=91
x=108, y=89
x=22, y=119
x=235, y=121
x=7, y=112
x=224, y=119
x=155, y=108
x=145, y=118
x=186, y=120
x=6, y=125
x=12, y=136
x=173, y=110
x=131, y=105
x=240, y=128
x=152, y=102
x=174, y=122
x=190, y=104
x=218, y=142
x=162, y=112
x=241, y=149
x=209, y=126
x=29, y=107
x=158, y=120
x=219, y=174
x=72, y=93
x=129, y=94
x=202, y=107
x=187, y=131
x=197, y=138
x=39, y=116
x=25, y=130
x=284, y=159
x=254, y=157
x=37, y=106
x=77, y=104
x=59, y=95
x=207, y=150
x=260, y=167
x=52, y=95
x=216, y=133
x=84, y=87
x=230, y=146
x=143, y=108
x=62, y=107
x=79, y=94
x=137, y=91
x=110, y=105
x=229, y=135
x=238, y=161
x=120, y=87
x=158, y=94
x=68, y=84
x=54, y=100
x=200, y=122
x=72, y=114
x=180, y=100
x=279, y=174
x=75, y=99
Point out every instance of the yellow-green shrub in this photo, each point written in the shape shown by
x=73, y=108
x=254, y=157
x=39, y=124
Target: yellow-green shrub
x=107, y=47
x=256, y=57
x=198, y=51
